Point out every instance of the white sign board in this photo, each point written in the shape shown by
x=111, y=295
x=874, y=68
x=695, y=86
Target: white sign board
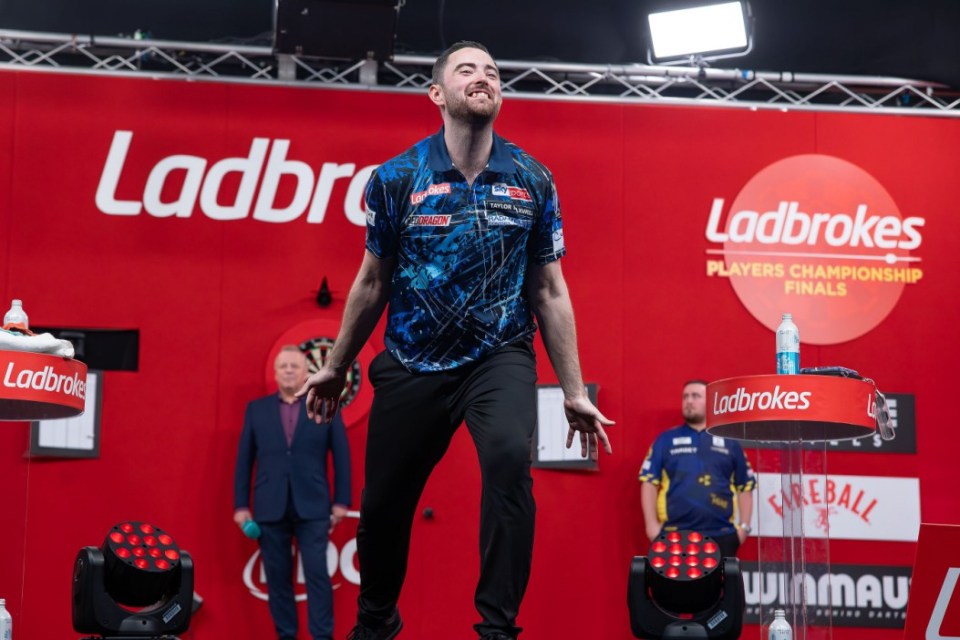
x=838, y=507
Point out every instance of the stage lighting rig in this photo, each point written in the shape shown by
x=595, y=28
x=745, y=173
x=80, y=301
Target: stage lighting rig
x=683, y=588
x=137, y=584
x=699, y=31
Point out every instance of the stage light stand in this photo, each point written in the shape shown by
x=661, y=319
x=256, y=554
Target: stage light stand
x=684, y=589
x=138, y=585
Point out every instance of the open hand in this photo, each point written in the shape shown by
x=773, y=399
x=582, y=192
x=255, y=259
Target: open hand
x=582, y=416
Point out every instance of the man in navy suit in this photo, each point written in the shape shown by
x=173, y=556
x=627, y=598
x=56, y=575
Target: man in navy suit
x=291, y=496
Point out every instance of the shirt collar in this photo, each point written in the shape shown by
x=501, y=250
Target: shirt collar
x=689, y=428
x=501, y=161
x=282, y=401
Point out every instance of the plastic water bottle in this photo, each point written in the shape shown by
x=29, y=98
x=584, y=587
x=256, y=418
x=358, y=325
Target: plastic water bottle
x=788, y=346
x=250, y=529
x=16, y=315
x=780, y=628
x=6, y=620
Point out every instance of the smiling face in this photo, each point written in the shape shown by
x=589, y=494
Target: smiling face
x=469, y=89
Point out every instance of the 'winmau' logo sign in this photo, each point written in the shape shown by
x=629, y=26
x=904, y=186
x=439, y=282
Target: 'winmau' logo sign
x=847, y=596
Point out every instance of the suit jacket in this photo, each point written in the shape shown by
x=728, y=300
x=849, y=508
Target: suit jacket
x=299, y=470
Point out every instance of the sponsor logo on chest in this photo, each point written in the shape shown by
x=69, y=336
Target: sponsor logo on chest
x=433, y=190
x=430, y=221
x=514, y=193
x=509, y=207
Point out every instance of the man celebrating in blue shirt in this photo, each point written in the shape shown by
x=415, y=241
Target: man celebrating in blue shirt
x=464, y=238
x=695, y=481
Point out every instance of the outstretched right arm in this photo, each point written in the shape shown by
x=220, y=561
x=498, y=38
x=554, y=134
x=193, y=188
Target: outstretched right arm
x=365, y=304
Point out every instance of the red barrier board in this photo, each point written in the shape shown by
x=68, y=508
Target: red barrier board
x=933, y=612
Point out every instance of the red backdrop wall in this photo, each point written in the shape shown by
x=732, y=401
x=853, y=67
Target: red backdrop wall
x=211, y=298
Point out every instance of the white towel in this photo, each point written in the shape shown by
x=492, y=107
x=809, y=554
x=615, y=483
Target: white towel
x=41, y=343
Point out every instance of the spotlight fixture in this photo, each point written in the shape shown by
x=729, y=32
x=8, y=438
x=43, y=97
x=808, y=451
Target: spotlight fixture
x=700, y=33
x=683, y=588
x=137, y=584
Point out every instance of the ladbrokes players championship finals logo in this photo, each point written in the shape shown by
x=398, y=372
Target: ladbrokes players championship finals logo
x=818, y=237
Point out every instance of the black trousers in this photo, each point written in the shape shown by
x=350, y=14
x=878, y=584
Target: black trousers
x=412, y=420
x=728, y=544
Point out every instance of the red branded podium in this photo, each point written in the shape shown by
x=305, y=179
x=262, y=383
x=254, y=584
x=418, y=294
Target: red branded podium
x=38, y=386
x=801, y=413
x=776, y=408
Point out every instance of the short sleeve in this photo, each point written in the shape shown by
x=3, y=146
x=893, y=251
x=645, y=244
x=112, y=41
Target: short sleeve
x=546, y=243
x=383, y=237
x=652, y=468
x=744, y=479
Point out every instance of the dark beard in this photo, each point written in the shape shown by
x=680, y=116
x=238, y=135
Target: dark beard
x=460, y=109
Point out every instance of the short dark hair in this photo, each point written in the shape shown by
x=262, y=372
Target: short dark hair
x=441, y=63
x=695, y=381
